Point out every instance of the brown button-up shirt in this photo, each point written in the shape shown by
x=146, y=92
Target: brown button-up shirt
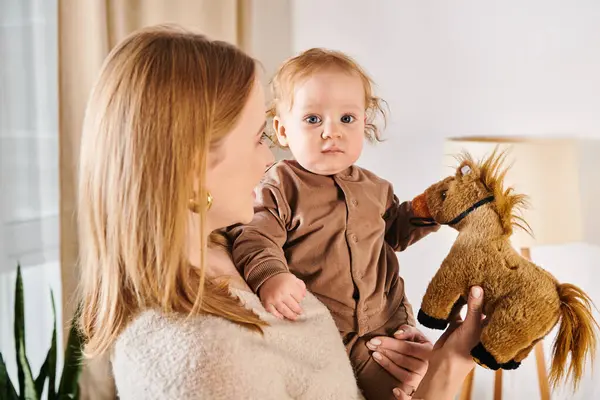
x=338, y=234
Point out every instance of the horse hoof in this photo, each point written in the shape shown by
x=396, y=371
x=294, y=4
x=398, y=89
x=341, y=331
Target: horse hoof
x=512, y=364
x=484, y=358
x=431, y=322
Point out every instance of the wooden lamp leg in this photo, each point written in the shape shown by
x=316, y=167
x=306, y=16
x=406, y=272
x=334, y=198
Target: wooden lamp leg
x=467, y=388
x=466, y=391
x=539, y=353
x=498, y=385
x=541, y=370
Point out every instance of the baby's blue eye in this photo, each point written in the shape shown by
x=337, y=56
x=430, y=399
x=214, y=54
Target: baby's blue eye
x=312, y=119
x=347, y=119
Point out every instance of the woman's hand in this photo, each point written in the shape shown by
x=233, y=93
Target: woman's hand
x=451, y=359
x=405, y=356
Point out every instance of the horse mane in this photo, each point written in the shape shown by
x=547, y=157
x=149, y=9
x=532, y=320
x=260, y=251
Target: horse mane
x=508, y=203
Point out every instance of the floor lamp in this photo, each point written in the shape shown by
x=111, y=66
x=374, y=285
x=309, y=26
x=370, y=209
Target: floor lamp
x=558, y=176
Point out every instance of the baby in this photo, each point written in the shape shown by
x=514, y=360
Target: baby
x=323, y=224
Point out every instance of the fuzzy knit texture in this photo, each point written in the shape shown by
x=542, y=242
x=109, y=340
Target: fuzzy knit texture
x=522, y=301
x=205, y=357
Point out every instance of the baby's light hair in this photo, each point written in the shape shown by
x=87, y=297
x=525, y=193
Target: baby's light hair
x=309, y=62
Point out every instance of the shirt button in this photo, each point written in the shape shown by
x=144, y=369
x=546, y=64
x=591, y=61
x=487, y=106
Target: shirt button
x=354, y=202
x=354, y=238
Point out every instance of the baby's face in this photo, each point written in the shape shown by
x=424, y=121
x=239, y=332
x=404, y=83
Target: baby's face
x=325, y=128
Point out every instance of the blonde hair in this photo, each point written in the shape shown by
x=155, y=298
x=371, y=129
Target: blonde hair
x=164, y=98
x=309, y=62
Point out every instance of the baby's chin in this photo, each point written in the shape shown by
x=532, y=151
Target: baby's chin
x=325, y=168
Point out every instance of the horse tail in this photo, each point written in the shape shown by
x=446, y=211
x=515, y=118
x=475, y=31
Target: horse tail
x=576, y=335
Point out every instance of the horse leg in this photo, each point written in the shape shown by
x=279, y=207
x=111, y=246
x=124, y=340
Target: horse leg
x=441, y=296
x=505, y=341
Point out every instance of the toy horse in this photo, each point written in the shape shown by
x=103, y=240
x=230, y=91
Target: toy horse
x=522, y=302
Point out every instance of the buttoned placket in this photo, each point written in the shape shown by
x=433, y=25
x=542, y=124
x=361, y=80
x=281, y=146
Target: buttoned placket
x=342, y=180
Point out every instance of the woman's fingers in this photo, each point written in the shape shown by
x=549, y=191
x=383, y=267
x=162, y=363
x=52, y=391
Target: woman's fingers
x=403, y=392
x=417, y=350
x=406, y=377
x=411, y=364
x=407, y=332
x=471, y=326
x=474, y=309
x=447, y=333
x=468, y=334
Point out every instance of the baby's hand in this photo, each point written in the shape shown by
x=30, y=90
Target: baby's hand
x=281, y=295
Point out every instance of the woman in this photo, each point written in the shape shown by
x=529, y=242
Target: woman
x=171, y=150
x=450, y=360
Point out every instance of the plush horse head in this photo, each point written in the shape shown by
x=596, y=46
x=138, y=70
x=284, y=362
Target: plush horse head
x=522, y=301
x=474, y=198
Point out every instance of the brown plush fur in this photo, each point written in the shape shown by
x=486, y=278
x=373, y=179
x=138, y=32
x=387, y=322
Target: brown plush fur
x=523, y=302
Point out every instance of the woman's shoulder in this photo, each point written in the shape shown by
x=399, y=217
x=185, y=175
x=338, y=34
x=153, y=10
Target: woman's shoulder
x=207, y=357
x=152, y=334
x=155, y=330
x=169, y=356
x=159, y=328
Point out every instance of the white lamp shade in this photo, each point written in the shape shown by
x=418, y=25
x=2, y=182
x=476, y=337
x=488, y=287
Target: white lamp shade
x=560, y=176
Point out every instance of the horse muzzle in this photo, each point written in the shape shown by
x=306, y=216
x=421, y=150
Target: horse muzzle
x=421, y=213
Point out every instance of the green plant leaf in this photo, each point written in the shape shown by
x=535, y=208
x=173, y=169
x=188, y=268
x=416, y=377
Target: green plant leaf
x=7, y=390
x=67, y=397
x=69, y=381
x=48, y=369
x=52, y=352
x=42, y=376
x=26, y=382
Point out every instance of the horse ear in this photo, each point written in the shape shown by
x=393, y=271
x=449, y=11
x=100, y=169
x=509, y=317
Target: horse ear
x=464, y=169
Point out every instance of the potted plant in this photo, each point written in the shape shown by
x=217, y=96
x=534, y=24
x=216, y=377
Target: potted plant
x=30, y=387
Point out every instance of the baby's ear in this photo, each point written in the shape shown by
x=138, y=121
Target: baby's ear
x=280, y=133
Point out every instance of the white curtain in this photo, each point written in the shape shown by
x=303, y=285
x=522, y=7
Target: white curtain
x=29, y=201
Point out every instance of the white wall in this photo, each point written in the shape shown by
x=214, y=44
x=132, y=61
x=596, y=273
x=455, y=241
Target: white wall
x=463, y=68
x=268, y=36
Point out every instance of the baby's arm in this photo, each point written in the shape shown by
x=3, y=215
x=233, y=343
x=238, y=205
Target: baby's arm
x=410, y=314
x=257, y=251
x=400, y=232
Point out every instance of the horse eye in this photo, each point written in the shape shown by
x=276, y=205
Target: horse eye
x=444, y=195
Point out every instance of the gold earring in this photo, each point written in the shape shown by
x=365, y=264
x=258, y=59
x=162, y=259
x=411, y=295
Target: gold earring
x=195, y=207
x=209, y=201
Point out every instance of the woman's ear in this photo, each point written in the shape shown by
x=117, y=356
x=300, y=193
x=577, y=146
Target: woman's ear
x=280, y=132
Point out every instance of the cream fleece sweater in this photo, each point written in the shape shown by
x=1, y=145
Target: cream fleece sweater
x=169, y=357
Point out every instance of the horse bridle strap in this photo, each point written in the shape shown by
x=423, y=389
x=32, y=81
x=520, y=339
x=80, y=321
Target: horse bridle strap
x=470, y=210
